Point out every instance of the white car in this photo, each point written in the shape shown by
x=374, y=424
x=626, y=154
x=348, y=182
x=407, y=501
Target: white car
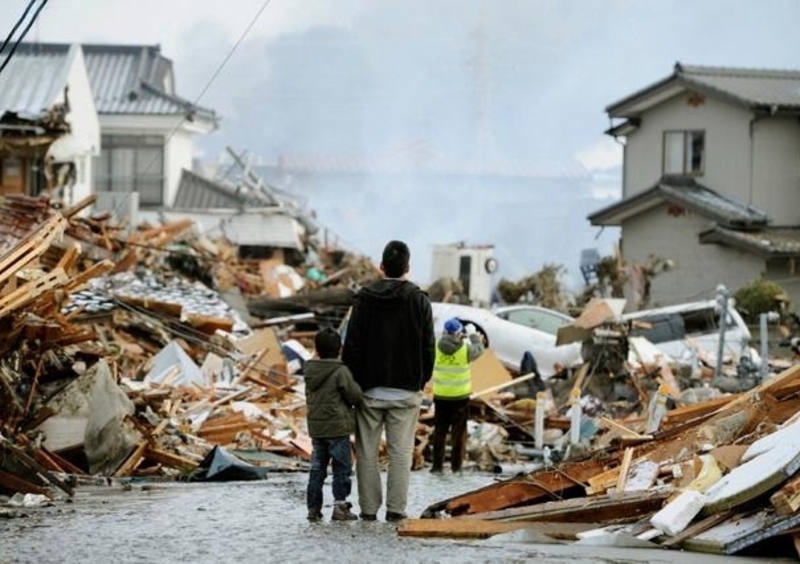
x=680, y=329
x=510, y=331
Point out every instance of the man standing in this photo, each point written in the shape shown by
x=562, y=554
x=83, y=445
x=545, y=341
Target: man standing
x=389, y=347
x=452, y=386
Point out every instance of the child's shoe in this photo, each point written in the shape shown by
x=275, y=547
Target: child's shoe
x=314, y=515
x=341, y=512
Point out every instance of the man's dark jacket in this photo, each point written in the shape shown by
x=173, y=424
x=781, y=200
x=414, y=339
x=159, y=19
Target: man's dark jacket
x=331, y=394
x=389, y=340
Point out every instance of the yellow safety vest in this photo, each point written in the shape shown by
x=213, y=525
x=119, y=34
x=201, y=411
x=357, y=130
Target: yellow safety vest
x=451, y=374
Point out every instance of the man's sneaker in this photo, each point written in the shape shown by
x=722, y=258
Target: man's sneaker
x=368, y=517
x=391, y=516
x=436, y=470
x=314, y=515
x=341, y=512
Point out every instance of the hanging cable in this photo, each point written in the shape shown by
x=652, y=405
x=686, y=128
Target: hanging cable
x=16, y=25
x=211, y=80
x=24, y=33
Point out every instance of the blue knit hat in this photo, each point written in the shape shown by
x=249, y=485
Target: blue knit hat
x=453, y=326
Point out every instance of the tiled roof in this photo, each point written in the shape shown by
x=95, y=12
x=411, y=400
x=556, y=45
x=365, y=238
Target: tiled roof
x=33, y=80
x=125, y=79
x=135, y=79
x=195, y=192
x=771, y=242
x=765, y=89
x=683, y=191
x=758, y=87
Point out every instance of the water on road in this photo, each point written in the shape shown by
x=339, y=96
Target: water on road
x=265, y=521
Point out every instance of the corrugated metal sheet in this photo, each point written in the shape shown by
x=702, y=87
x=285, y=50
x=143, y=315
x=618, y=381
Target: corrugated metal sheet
x=753, y=86
x=33, y=79
x=263, y=228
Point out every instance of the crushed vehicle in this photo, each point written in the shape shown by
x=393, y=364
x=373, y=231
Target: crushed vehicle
x=510, y=339
x=684, y=333
x=684, y=330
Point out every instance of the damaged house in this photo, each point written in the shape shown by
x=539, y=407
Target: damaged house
x=710, y=181
x=49, y=129
x=147, y=129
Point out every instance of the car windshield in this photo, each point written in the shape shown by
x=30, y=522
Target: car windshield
x=546, y=321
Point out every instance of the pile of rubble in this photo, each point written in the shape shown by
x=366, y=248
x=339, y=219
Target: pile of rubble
x=158, y=352
x=118, y=362
x=718, y=476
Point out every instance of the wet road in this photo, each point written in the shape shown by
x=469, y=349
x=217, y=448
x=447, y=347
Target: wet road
x=265, y=522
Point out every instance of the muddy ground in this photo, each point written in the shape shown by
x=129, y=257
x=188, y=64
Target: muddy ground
x=265, y=522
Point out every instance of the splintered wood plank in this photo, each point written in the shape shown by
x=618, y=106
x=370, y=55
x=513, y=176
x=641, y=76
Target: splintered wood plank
x=31, y=247
x=133, y=460
x=618, y=507
x=168, y=459
x=94, y=271
x=736, y=534
x=537, y=486
x=627, y=458
x=16, y=484
x=686, y=413
x=457, y=528
x=32, y=290
x=787, y=499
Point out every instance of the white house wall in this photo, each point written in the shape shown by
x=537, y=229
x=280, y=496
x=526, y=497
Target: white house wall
x=178, y=148
x=776, y=168
x=83, y=141
x=178, y=153
x=698, y=269
x=727, y=145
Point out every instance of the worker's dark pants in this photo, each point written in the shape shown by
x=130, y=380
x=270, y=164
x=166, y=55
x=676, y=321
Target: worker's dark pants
x=450, y=415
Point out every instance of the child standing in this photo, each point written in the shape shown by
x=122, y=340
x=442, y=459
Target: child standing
x=331, y=394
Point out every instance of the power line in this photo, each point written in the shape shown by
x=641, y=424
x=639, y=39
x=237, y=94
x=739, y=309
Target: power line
x=212, y=79
x=208, y=84
x=24, y=33
x=16, y=25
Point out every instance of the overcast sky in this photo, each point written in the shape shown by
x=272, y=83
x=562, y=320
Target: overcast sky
x=468, y=79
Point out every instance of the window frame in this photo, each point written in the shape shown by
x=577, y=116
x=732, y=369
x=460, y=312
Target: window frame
x=105, y=180
x=687, y=155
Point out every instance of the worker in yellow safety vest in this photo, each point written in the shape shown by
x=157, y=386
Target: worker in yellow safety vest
x=452, y=386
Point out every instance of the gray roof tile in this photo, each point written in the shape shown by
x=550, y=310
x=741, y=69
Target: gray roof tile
x=768, y=242
x=687, y=192
x=33, y=80
x=758, y=87
x=196, y=192
x=766, y=89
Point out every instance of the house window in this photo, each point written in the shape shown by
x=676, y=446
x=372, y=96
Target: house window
x=132, y=163
x=684, y=152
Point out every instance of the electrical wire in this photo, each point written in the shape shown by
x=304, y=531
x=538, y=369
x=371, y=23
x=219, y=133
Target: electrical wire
x=24, y=33
x=208, y=84
x=215, y=74
x=16, y=25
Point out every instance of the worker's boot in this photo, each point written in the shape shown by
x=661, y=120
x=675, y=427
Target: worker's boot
x=341, y=512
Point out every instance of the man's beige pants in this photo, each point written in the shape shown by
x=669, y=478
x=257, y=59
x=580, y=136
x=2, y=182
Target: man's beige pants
x=398, y=418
